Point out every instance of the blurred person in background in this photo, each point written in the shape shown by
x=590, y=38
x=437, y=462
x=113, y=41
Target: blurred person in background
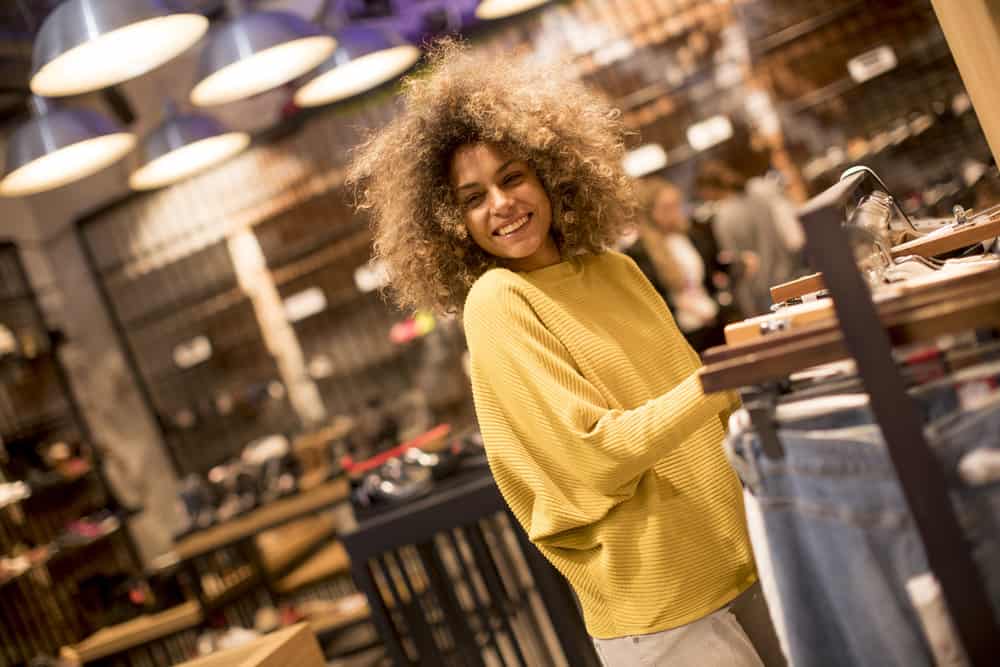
x=679, y=264
x=751, y=221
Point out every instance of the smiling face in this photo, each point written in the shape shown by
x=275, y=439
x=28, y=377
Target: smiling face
x=504, y=206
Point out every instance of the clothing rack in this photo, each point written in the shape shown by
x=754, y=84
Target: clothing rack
x=920, y=476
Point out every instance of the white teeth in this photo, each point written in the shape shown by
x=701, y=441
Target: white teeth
x=514, y=226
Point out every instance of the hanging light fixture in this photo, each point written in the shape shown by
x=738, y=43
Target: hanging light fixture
x=59, y=146
x=255, y=52
x=365, y=58
x=182, y=146
x=500, y=9
x=85, y=45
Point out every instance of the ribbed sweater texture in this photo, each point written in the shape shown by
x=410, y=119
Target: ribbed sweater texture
x=603, y=444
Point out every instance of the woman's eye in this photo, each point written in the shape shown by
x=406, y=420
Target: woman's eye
x=473, y=200
x=513, y=178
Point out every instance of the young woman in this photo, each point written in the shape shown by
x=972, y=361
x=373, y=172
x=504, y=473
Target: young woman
x=494, y=194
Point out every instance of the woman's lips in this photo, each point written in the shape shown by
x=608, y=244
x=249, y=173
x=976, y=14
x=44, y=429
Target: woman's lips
x=514, y=226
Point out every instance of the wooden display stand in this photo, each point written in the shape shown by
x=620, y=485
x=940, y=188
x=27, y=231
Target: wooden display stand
x=121, y=637
x=283, y=562
x=294, y=646
x=269, y=516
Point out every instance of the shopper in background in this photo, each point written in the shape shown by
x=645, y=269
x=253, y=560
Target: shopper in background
x=495, y=192
x=679, y=264
x=750, y=222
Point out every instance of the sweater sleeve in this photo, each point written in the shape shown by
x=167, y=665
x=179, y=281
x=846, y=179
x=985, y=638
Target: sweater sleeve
x=548, y=431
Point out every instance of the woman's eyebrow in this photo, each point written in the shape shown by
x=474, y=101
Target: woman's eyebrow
x=502, y=168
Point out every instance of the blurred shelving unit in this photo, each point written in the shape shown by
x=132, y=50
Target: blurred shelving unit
x=51, y=541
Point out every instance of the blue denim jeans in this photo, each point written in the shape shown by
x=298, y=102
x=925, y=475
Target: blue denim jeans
x=842, y=540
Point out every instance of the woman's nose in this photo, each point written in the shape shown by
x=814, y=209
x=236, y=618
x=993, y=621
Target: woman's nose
x=500, y=201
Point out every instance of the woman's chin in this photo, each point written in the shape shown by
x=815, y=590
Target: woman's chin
x=519, y=249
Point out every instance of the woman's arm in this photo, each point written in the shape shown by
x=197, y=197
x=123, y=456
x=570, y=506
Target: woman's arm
x=547, y=426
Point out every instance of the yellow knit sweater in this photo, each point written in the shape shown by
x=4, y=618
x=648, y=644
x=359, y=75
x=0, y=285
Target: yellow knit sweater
x=603, y=444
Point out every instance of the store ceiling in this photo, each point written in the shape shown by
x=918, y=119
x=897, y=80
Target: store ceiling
x=417, y=20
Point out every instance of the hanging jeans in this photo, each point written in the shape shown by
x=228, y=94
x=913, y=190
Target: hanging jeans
x=841, y=538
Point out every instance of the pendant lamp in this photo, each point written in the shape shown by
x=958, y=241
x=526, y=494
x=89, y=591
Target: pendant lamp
x=181, y=146
x=365, y=58
x=86, y=45
x=59, y=146
x=500, y=9
x=255, y=52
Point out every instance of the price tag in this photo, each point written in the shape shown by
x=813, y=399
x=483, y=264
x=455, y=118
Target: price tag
x=644, y=160
x=709, y=132
x=871, y=64
x=193, y=352
x=304, y=304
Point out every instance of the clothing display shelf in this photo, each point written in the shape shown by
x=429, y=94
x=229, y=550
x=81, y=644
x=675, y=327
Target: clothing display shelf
x=163, y=265
x=232, y=576
x=872, y=82
x=40, y=607
x=164, y=297
x=642, y=25
x=863, y=333
x=451, y=579
x=907, y=121
x=345, y=342
x=225, y=562
x=169, y=290
x=772, y=24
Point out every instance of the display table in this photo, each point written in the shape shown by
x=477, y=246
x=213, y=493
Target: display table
x=453, y=574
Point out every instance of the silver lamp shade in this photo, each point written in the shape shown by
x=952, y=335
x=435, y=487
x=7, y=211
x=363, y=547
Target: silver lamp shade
x=85, y=45
x=499, y=9
x=60, y=146
x=182, y=146
x=365, y=58
x=256, y=52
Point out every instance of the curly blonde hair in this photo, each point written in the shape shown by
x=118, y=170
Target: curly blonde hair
x=400, y=175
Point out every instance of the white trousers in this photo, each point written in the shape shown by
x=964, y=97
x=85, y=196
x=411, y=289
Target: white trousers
x=717, y=640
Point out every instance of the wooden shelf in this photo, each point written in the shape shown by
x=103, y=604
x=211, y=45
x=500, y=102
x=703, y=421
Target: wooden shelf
x=959, y=236
x=330, y=561
x=269, y=516
x=118, y=638
x=338, y=428
x=785, y=36
x=281, y=546
x=798, y=287
x=915, y=56
x=210, y=299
